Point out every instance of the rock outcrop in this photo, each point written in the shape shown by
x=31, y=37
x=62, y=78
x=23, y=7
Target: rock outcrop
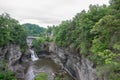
x=11, y=54
x=77, y=65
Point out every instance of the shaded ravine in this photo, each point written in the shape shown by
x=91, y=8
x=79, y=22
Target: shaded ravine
x=37, y=67
x=41, y=65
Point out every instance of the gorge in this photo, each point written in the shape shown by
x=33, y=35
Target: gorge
x=77, y=66
x=44, y=65
x=56, y=59
x=86, y=47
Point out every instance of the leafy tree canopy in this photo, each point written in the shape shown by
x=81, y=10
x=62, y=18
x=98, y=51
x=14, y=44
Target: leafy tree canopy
x=34, y=29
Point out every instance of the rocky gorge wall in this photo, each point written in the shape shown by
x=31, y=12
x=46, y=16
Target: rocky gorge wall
x=11, y=55
x=77, y=65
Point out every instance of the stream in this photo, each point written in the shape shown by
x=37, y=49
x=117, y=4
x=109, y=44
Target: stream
x=44, y=65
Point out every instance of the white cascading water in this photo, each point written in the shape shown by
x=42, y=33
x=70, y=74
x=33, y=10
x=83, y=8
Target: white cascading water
x=30, y=74
x=34, y=56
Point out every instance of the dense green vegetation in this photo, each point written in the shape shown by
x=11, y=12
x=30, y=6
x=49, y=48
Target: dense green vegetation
x=34, y=29
x=95, y=34
x=7, y=75
x=11, y=32
x=37, y=44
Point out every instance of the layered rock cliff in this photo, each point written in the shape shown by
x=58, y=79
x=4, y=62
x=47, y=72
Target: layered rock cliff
x=77, y=65
x=11, y=55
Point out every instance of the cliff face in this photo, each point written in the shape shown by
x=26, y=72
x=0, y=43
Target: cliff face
x=11, y=54
x=78, y=66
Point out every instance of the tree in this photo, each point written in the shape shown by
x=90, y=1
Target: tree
x=34, y=29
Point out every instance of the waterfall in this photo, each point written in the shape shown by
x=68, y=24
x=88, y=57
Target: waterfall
x=30, y=73
x=34, y=56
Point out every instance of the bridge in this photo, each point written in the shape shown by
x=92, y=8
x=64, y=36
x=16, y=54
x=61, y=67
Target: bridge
x=29, y=40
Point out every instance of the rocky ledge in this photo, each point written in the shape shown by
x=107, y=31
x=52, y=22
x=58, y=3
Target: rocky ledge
x=12, y=55
x=77, y=65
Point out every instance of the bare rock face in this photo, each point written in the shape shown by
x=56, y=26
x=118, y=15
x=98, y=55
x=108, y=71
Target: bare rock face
x=77, y=65
x=12, y=54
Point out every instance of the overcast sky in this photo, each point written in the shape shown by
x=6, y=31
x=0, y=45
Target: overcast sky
x=45, y=12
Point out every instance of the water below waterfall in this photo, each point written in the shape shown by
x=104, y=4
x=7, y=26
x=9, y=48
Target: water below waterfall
x=30, y=74
x=41, y=65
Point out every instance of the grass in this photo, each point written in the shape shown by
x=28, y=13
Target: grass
x=41, y=76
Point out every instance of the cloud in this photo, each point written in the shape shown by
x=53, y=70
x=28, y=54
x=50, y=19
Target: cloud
x=45, y=12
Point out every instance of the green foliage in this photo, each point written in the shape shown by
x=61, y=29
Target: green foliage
x=76, y=34
x=41, y=76
x=106, y=32
x=95, y=34
x=11, y=32
x=7, y=75
x=61, y=35
x=57, y=78
x=109, y=71
x=34, y=29
x=37, y=43
x=116, y=46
